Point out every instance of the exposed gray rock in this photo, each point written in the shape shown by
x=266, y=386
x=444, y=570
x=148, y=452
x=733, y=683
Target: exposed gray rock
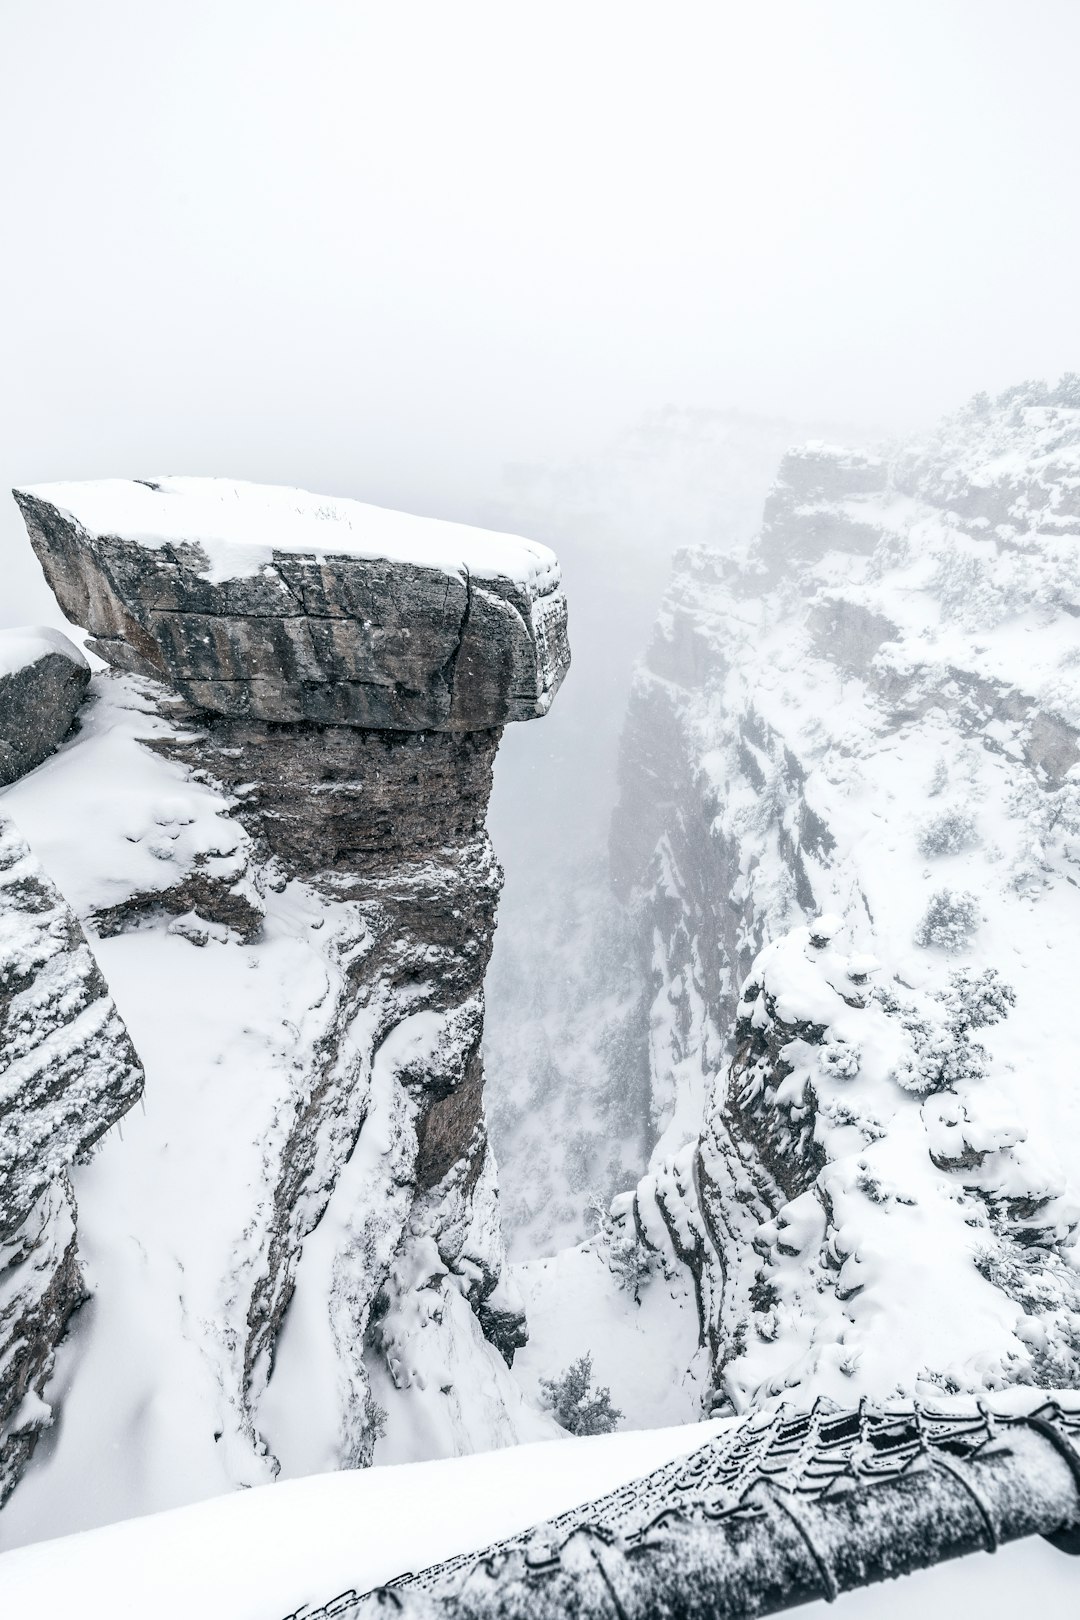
x=67, y=1073
x=43, y=680
x=278, y=606
x=346, y=799
x=805, y=514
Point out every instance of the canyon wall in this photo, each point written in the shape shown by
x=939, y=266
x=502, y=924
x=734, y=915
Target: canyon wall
x=850, y=828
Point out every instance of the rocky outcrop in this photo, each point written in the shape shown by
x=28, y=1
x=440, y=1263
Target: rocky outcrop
x=872, y=713
x=278, y=606
x=67, y=1073
x=43, y=680
x=338, y=678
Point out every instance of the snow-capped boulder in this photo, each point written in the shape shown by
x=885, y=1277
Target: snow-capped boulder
x=43, y=680
x=68, y=1072
x=273, y=604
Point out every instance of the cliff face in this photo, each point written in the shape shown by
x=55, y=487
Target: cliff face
x=850, y=824
x=68, y=1071
x=307, y=707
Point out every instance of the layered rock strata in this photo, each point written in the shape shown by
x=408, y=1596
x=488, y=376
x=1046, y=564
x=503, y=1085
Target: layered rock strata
x=68, y=1072
x=873, y=714
x=341, y=675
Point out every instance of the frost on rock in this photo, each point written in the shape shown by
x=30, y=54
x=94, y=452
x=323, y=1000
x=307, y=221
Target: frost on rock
x=67, y=1073
x=848, y=831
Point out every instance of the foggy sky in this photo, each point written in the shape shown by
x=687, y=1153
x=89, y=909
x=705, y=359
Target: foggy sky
x=381, y=249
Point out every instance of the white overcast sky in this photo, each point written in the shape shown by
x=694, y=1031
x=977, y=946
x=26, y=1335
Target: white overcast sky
x=383, y=248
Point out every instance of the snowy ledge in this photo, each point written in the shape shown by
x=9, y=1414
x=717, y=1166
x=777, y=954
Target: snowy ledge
x=269, y=604
x=240, y=526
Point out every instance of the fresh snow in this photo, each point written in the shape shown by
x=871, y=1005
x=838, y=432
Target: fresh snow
x=261, y=1554
x=174, y=1205
x=239, y=526
x=21, y=647
x=645, y=1353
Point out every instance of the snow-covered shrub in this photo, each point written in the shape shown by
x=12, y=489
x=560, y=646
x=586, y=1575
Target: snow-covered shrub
x=893, y=550
x=976, y=1000
x=949, y=921
x=576, y=1405
x=841, y=1059
x=947, y=833
x=375, y=1417
x=942, y=1052
x=971, y=583
x=1050, y=831
x=937, y=1058
x=616, y=1242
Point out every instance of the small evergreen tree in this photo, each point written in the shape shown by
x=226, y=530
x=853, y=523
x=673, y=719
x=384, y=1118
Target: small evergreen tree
x=947, y=833
x=942, y=1051
x=629, y=1262
x=949, y=920
x=576, y=1405
x=939, y=781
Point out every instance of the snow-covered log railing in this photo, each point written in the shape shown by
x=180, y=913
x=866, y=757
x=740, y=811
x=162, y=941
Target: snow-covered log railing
x=776, y=1511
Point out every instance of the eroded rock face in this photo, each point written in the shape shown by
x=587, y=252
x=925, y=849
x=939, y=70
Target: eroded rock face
x=350, y=800
x=349, y=704
x=873, y=713
x=43, y=680
x=280, y=606
x=68, y=1072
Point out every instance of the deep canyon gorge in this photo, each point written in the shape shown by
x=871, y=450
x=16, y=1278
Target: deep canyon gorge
x=775, y=1080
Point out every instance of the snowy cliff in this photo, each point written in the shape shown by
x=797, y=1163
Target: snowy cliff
x=295, y=1257
x=850, y=829
x=68, y=1071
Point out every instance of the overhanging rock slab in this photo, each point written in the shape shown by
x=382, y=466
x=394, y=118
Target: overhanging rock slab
x=272, y=604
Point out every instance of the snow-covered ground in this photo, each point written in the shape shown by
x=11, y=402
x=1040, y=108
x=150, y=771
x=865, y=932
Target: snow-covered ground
x=645, y=1353
x=261, y=1554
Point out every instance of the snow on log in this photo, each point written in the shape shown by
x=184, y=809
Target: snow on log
x=777, y=1510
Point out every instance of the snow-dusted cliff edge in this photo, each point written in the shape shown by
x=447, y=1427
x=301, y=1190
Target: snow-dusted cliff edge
x=850, y=832
x=272, y=825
